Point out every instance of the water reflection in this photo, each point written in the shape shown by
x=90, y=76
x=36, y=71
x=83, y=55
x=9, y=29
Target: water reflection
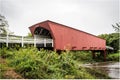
x=110, y=68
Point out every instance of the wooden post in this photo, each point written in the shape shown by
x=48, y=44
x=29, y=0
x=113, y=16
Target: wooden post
x=7, y=40
x=104, y=55
x=93, y=54
x=22, y=41
x=34, y=40
x=44, y=42
x=52, y=42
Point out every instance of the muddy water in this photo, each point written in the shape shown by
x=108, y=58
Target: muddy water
x=110, y=68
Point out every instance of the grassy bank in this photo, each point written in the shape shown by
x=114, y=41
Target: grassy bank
x=113, y=56
x=44, y=64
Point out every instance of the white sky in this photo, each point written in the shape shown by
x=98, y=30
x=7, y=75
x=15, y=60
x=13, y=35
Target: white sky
x=92, y=16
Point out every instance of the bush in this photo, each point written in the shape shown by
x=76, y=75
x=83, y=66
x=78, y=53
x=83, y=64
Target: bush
x=5, y=52
x=31, y=63
x=45, y=64
x=82, y=56
x=113, y=57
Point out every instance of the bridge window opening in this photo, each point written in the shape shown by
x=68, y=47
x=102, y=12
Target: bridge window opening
x=42, y=33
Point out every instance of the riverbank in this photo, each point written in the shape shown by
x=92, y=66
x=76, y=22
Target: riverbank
x=114, y=57
x=29, y=63
x=111, y=68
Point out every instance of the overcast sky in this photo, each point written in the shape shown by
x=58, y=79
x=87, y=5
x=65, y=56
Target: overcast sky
x=92, y=16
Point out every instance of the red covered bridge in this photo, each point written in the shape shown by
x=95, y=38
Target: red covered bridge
x=67, y=38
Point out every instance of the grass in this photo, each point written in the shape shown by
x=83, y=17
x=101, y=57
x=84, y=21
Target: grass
x=45, y=64
x=113, y=56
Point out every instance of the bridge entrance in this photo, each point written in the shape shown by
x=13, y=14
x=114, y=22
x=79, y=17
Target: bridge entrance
x=43, y=34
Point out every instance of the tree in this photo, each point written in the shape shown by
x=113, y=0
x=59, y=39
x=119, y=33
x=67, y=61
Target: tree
x=117, y=27
x=29, y=35
x=111, y=40
x=4, y=26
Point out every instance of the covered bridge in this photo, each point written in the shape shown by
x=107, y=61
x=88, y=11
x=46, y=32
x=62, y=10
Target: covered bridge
x=67, y=38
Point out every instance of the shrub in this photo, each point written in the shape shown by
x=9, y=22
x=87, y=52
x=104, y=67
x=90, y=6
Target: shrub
x=82, y=56
x=45, y=64
x=5, y=52
x=31, y=63
x=113, y=57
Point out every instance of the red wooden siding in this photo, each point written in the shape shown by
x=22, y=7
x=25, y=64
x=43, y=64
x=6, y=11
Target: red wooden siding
x=69, y=38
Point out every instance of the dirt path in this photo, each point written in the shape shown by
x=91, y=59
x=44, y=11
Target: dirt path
x=11, y=74
x=8, y=73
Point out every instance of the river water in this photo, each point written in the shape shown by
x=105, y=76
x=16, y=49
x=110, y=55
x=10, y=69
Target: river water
x=110, y=68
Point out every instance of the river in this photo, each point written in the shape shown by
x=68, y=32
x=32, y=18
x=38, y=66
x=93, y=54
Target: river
x=110, y=68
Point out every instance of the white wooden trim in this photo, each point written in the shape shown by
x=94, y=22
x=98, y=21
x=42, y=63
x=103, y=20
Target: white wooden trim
x=7, y=40
x=24, y=40
x=44, y=42
x=34, y=40
x=52, y=42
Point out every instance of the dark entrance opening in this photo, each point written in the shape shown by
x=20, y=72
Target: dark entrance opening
x=42, y=34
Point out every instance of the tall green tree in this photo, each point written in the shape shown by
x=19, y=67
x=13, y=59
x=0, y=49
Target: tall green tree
x=111, y=40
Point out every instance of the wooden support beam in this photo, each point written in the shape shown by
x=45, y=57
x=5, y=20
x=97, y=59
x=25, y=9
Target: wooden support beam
x=7, y=40
x=34, y=40
x=93, y=54
x=22, y=41
x=40, y=31
x=45, y=43
x=52, y=43
x=104, y=55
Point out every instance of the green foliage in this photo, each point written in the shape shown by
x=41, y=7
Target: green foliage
x=111, y=40
x=5, y=52
x=31, y=63
x=2, y=70
x=97, y=73
x=45, y=64
x=3, y=67
x=82, y=56
x=115, y=44
x=29, y=35
x=113, y=57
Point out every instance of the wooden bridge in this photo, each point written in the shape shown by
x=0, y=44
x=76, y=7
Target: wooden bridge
x=37, y=42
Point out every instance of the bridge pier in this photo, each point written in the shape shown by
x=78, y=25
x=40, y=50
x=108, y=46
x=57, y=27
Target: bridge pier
x=93, y=55
x=102, y=53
